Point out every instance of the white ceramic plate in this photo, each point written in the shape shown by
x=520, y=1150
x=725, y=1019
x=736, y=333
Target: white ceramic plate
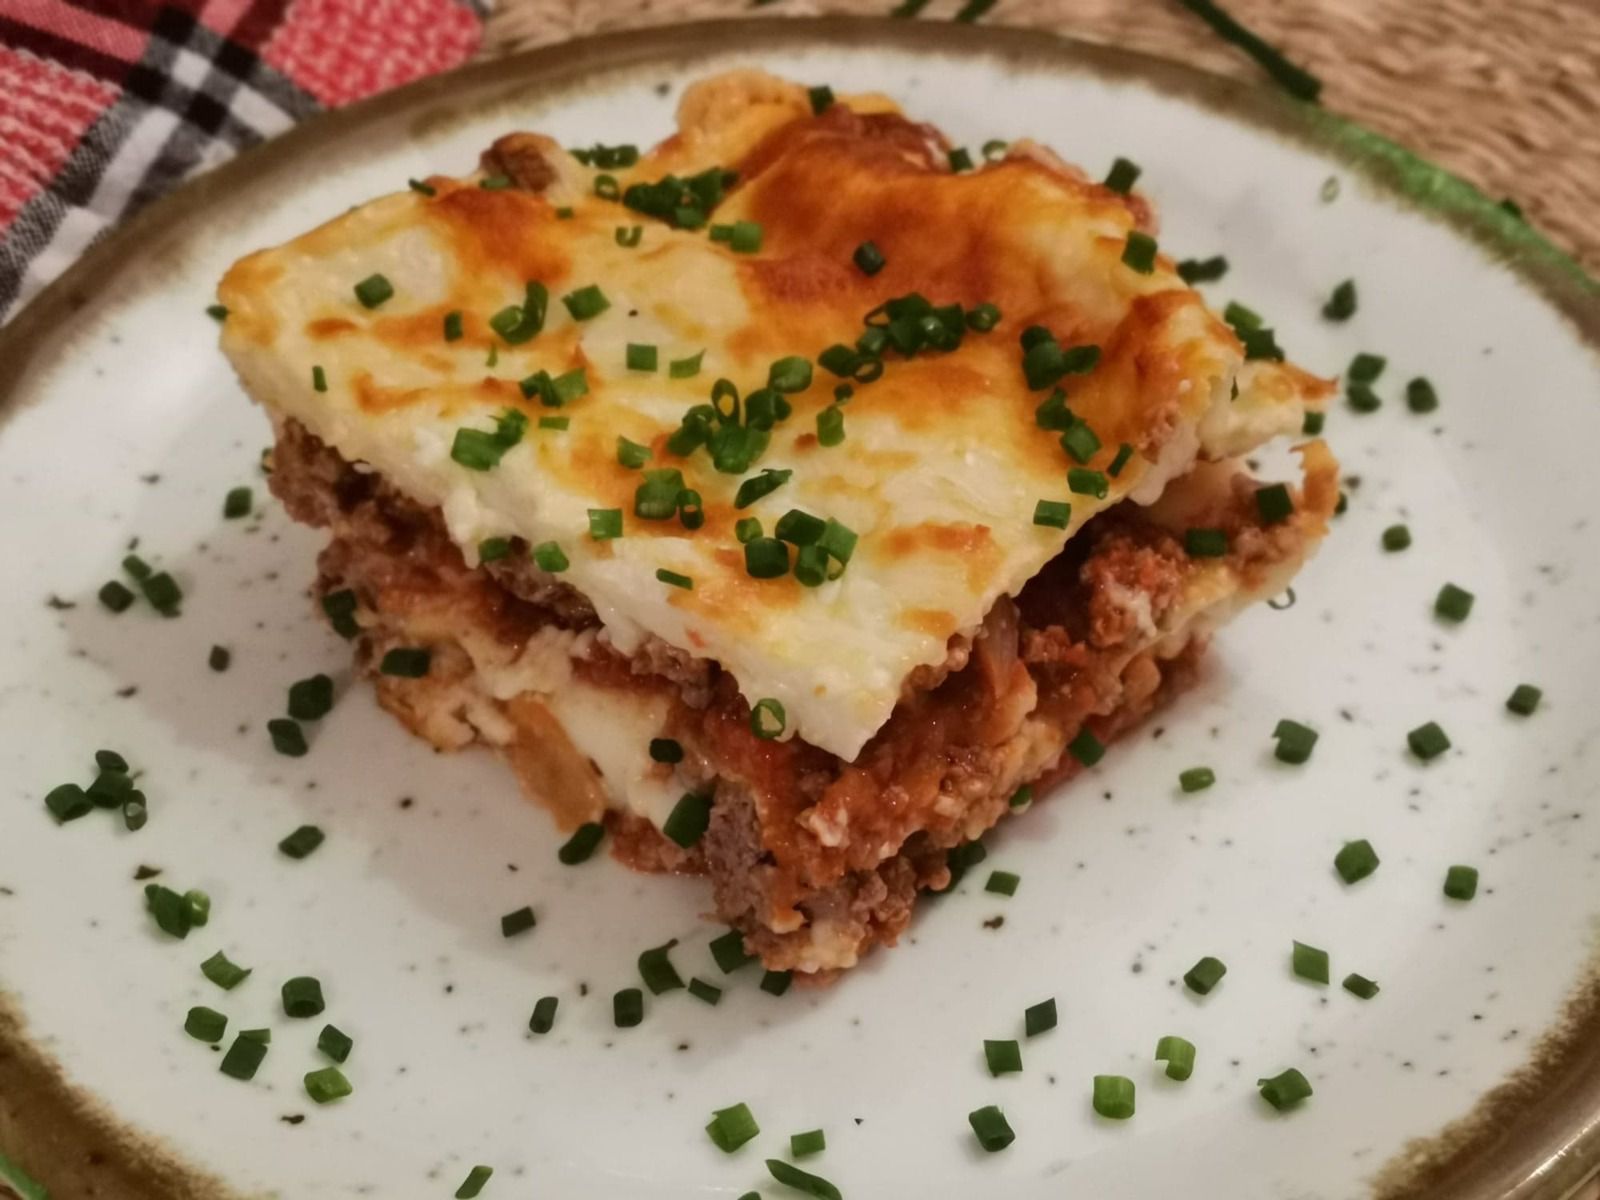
x=122, y=422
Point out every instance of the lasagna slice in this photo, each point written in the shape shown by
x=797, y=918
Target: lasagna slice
x=793, y=499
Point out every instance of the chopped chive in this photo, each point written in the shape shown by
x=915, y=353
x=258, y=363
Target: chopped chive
x=1310, y=963
x=548, y=556
x=517, y=922
x=1113, y=1096
x=582, y=844
x=302, y=997
x=1139, y=252
x=135, y=812
x=1341, y=305
x=1356, y=860
x=1396, y=537
x=689, y=819
x=1178, y=1054
x=1053, y=514
x=685, y=368
x=373, y=291
x=287, y=737
x=1081, y=481
x=1298, y=82
x=802, y=1145
x=1428, y=741
x=1206, y=543
x=495, y=183
x=1124, y=453
x=406, y=662
x=1086, y=748
x=1003, y=1058
x=1461, y=883
x=1524, y=699
x=1122, y=175
x=137, y=567
x=564, y=213
x=302, y=842
x=641, y=357
x=995, y=149
x=802, y=1181
x=225, y=974
x=473, y=1183
x=732, y=1127
x=799, y=527
x=1002, y=883
x=68, y=802
x=961, y=859
x=1360, y=986
x=767, y=719
x=114, y=596
x=839, y=541
x=586, y=302
x=1288, y=1089
x=244, y=1057
x=205, y=1024
x=1196, y=779
x=607, y=187
x=335, y=1043
x=340, y=609
x=1039, y=1018
x=720, y=233
x=776, y=983
x=991, y=1128
x=1420, y=396
x=110, y=788
x=790, y=374
x=327, y=1085
x=1204, y=975
x=237, y=502
x=493, y=549
x=557, y=423
x=319, y=380
x=543, y=1019
x=960, y=159
x=605, y=524
x=1274, y=503
x=821, y=98
x=480, y=450
x=452, y=326
x=162, y=590
x=1080, y=441
x=729, y=953
x=746, y=237
x=674, y=579
x=1239, y=317
x=757, y=486
x=666, y=750
x=217, y=312
x=1295, y=742
x=628, y=236
x=311, y=699
x=1202, y=270
x=1021, y=798
x=1313, y=423
x=1361, y=397
x=569, y=385
x=1365, y=368
x=868, y=258
x=657, y=971
x=1260, y=344
x=1453, y=603
x=710, y=993
x=830, y=426
x=627, y=1008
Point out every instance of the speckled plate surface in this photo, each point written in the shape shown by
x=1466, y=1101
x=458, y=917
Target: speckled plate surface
x=1475, y=1072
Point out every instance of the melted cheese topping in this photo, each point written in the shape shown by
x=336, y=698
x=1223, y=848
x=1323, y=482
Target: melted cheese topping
x=943, y=460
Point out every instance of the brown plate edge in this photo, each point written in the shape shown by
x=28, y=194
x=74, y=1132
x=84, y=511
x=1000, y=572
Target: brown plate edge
x=1536, y=1136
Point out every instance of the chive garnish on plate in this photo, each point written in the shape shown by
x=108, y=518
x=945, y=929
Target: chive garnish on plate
x=1113, y=1097
x=517, y=922
x=1178, y=1054
x=657, y=971
x=302, y=997
x=991, y=1128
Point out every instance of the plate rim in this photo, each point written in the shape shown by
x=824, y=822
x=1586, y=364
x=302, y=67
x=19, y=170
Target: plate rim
x=1547, y=1111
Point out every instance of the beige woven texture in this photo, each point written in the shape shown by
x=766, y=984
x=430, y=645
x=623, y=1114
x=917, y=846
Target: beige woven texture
x=1504, y=92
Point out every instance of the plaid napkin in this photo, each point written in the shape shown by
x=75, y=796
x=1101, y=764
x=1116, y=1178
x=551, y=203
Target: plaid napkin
x=106, y=104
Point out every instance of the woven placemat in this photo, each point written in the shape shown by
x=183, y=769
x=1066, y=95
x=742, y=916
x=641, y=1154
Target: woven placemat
x=1506, y=95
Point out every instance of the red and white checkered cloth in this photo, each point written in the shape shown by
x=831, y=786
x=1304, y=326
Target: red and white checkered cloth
x=106, y=104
